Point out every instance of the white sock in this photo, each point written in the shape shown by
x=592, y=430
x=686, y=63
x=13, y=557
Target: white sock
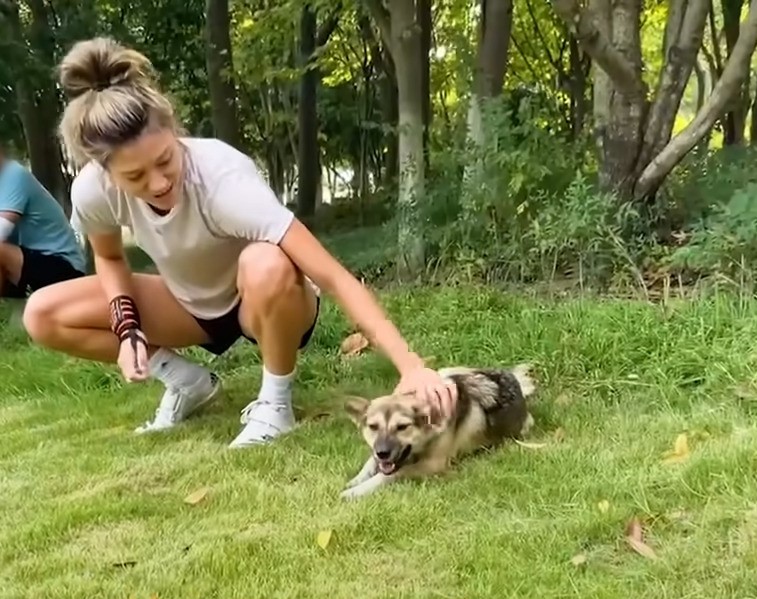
x=276, y=388
x=173, y=370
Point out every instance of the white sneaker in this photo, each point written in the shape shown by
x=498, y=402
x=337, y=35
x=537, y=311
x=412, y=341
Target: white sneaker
x=264, y=421
x=177, y=404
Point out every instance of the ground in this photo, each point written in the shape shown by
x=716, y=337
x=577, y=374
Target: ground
x=89, y=510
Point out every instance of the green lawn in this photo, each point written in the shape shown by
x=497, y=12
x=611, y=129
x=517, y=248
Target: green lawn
x=89, y=510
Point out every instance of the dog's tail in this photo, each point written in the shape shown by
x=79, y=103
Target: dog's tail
x=522, y=374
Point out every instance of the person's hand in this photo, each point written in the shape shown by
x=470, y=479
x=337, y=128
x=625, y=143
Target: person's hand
x=132, y=356
x=436, y=393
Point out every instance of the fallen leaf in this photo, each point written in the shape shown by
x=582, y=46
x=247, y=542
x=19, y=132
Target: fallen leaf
x=642, y=548
x=354, y=344
x=680, y=450
x=559, y=434
x=635, y=539
x=197, y=496
x=578, y=560
x=324, y=538
x=154, y=596
x=634, y=529
x=563, y=400
x=603, y=506
x=528, y=445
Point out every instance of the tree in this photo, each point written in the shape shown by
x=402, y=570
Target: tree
x=400, y=32
x=637, y=149
x=223, y=95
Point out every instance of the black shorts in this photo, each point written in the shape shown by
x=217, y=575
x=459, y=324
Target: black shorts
x=225, y=330
x=39, y=270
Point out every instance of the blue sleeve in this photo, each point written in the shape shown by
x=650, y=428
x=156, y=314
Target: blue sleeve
x=14, y=189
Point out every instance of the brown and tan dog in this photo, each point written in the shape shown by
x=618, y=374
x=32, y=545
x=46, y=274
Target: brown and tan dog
x=405, y=443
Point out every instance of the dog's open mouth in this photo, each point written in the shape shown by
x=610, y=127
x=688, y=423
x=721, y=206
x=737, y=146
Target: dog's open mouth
x=388, y=467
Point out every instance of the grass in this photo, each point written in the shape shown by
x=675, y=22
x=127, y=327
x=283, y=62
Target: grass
x=89, y=510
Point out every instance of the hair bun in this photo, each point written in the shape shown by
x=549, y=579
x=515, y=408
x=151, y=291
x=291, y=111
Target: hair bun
x=99, y=63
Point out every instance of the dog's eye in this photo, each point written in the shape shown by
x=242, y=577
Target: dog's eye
x=402, y=427
x=373, y=427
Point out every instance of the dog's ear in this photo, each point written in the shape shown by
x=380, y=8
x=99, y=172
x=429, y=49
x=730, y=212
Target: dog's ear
x=355, y=408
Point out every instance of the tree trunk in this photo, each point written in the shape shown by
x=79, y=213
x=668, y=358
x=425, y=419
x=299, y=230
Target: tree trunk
x=308, y=156
x=37, y=99
x=638, y=150
x=424, y=19
x=489, y=74
x=406, y=51
x=726, y=88
x=220, y=64
x=734, y=121
x=602, y=86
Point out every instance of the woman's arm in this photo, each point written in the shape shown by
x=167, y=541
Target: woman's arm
x=363, y=309
x=357, y=301
x=110, y=265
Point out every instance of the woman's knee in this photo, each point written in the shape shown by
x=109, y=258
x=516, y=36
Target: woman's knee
x=266, y=275
x=41, y=315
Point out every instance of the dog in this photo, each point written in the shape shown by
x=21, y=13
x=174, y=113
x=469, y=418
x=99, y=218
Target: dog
x=408, y=444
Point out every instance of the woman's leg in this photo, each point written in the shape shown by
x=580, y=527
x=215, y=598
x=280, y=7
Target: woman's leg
x=73, y=317
x=278, y=306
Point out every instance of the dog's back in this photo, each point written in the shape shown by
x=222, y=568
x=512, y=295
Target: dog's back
x=491, y=405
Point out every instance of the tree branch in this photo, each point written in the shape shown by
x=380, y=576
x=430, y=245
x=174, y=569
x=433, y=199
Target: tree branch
x=380, y=15
x=328, y=26
x=580, y=23
x=683, y=38
x=729, y=84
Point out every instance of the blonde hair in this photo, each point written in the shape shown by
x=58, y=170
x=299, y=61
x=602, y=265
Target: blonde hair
x=113, y=97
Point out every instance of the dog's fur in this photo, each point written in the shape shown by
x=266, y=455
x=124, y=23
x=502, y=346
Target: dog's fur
x=406, y=443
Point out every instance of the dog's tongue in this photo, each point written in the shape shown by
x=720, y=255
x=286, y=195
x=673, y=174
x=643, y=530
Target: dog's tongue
x=386, y=467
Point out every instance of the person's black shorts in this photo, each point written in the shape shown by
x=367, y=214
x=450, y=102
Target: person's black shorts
x=225, y=330
x=39, y=270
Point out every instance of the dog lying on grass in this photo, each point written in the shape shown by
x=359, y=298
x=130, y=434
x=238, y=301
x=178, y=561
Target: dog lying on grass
x=405, y=443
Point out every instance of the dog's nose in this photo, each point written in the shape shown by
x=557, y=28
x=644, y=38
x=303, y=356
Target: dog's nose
x=382, y=448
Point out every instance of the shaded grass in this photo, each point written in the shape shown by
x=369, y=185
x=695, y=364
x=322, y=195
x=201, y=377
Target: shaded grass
x=90, y=510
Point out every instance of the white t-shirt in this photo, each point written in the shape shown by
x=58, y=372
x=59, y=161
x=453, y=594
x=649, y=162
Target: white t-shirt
x=225, y=205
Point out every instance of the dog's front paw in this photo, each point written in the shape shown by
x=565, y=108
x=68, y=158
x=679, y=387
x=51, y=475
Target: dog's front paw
x=349, y=493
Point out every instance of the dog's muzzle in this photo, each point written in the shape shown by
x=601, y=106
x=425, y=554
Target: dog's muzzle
x=389, y=457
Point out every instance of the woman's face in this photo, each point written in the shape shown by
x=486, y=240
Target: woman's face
x=149, y=168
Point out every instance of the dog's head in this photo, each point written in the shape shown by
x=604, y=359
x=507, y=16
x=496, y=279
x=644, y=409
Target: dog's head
x=396, y=427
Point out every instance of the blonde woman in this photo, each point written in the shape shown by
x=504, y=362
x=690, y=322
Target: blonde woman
x=232, y=260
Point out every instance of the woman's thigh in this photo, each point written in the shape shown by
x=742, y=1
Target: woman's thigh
x=81, y=304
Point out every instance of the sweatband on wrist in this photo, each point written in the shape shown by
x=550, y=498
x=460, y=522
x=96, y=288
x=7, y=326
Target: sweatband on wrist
x=124, y=316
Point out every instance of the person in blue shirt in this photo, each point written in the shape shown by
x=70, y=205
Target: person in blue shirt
x=38, y=246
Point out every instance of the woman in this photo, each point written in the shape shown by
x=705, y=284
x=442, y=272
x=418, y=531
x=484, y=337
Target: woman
x=231, y=259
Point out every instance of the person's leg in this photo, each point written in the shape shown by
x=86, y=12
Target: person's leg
x=278, y=310
x=11, y=264
x=73, y=317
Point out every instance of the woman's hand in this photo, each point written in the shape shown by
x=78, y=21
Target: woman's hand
x=132, y=356
x=438, y=394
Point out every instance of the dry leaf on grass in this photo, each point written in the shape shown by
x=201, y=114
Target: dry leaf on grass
x=528, y=445
x=197, y=496
x=559, y=434
x=563, y=400
x=635, y=539
x=324, y=538
x=680, y=450
x=579, y=560
x=354, y=344
x=603, y=506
